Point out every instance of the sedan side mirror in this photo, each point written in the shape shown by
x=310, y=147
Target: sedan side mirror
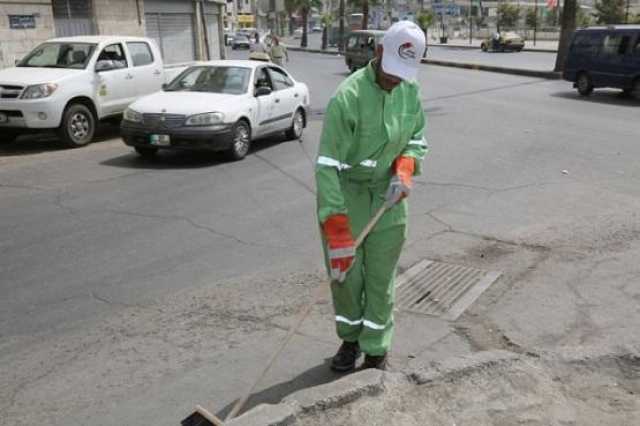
x=17, y=61
x=105, y=65
x=164, y=86
x=262, y=91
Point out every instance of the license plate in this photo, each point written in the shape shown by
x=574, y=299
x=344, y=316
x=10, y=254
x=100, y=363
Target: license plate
x=160, y=140
x=3, y=118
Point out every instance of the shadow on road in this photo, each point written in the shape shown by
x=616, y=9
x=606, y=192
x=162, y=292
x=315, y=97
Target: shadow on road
x=609, y=97
x=165, y=159
x=48, y=142
x=315, y=376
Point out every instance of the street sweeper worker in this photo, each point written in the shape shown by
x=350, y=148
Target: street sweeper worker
x=372, y=144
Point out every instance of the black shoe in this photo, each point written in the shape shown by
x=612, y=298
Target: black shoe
x=380, y=362
x=345, y=359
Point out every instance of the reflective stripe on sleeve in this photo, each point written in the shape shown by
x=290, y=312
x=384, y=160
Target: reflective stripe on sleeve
x=420, y=142
x=330, y=162
x=340, y=318
x=342, y=252
x=369, y=163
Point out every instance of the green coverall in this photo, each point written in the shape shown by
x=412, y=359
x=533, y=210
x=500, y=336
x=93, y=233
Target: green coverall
x=365, y=130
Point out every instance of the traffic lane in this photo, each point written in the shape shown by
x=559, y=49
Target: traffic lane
x=538, y=61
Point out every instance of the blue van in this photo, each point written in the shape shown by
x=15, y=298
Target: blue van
x=605, y=57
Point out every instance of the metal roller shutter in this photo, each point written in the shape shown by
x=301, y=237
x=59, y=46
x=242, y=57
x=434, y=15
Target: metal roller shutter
x=174, y=34
x=214, y=37
x=73, y=17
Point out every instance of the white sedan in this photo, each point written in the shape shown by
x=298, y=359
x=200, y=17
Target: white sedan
x=218, y=106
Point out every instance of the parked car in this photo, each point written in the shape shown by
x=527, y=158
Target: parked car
x=69, y=84
x=361, y=48
x=240, y=41
x=316, y=29
x=502, y=42
x=228, y=38
x=218, y=106
x=605, y=57
x=297, y=33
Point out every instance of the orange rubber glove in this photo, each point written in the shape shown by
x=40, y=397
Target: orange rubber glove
x=341, y=246
x=401, y=182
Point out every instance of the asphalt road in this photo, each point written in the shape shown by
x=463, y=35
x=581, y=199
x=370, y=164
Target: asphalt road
x=132, y=290
x=539, y=61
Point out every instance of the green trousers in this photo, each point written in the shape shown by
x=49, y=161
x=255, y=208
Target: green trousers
x=364, y=301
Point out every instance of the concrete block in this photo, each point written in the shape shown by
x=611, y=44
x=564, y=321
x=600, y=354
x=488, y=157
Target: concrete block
x=460, y=366
x=365, y=383
x=267, y=415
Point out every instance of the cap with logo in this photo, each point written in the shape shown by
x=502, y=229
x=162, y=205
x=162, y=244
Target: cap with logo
x=403, y=45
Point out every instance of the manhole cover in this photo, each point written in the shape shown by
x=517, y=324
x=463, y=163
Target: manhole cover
x=441, y=289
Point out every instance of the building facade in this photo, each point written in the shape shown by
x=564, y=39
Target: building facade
x=184, y=30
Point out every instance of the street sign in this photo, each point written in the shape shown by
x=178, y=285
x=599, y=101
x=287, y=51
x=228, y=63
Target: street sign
x=22, y=22
x=446, y=9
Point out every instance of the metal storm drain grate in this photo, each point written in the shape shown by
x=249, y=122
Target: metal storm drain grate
x=441, y=289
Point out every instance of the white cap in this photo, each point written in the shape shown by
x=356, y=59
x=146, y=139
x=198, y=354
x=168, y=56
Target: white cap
x=404, y=45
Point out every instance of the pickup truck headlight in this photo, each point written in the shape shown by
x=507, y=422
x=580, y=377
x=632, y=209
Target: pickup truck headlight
x=39, y=91
x=207, y=119
x=131, y=115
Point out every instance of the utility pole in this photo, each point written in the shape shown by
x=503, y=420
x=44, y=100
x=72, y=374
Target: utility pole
x=535, y=21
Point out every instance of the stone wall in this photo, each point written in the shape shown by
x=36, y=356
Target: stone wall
x=119, y=17
x=16, y=43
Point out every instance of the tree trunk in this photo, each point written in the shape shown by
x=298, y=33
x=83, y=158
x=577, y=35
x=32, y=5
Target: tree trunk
x=341, y=27
x=365, y=14
x=305, y=24
x=290, y=25
x=325, y=32
x=566, y=31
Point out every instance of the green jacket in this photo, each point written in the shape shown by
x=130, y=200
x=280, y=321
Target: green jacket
x=278, y=51
x=365, y=130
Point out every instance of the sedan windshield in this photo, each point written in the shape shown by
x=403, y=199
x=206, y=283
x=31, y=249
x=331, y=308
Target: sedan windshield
x=229, y=80
x=59, y=55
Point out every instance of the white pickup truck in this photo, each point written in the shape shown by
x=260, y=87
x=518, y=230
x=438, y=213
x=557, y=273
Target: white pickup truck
x=71, y=83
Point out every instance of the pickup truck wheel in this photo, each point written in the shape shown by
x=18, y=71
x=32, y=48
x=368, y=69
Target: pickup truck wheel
x=297, y=126
x=241, y=141
x=146, y=152
x=8, y=136
x=78, y=126
x=583, y=84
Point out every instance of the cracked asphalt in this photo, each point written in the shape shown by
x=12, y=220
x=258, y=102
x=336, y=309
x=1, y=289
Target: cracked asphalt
x=133, y=290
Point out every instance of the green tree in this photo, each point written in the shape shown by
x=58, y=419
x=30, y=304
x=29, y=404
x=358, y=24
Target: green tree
x=635, y=20
x=508, y=15
x=304, y=7
x=327, y=20
x=551, y=18
x=425, y=19
x=290, y=6
x=583, y=19
x=610, y=11
x=531, y=18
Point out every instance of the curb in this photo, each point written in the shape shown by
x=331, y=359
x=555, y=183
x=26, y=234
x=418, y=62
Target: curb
x=551, y=75
x=474, y=47
x=375, y=382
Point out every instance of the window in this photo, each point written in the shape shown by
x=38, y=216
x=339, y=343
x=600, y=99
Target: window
x=280, y=79
x=59, y=55
x=114, y=53
x=636, y=49
x=229, y=80
x=615, y=44
x=140, y=53
x=587, y=43
x=262, y=78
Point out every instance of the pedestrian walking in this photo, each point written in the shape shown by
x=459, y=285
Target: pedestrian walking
x=278, y=51
x=372, y=144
